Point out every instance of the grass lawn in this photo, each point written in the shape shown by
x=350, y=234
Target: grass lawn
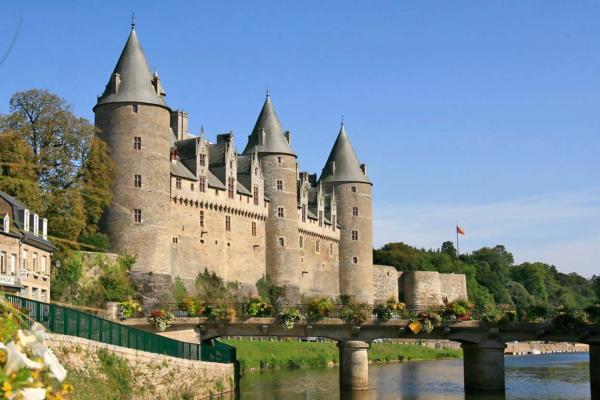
x=270, y=355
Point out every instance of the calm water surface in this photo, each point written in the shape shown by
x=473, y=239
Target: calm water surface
x=547, y=376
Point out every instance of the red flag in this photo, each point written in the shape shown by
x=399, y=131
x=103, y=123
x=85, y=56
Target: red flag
x=460, y=230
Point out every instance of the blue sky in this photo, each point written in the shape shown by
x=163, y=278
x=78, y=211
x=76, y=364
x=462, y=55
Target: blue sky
x=481, y=112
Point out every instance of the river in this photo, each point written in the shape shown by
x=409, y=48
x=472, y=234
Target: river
x=546, y=376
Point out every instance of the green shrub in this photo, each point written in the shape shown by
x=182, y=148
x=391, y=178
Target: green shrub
x=189, y=305
x=258, y=308
x=383, y=312
x=289, y=316
x=98, y=240
x=118, y=373
x=593, y=313
x=319, y=308
x=353, y=312
x=179, y=290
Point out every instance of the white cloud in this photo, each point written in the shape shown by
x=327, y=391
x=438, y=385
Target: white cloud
x=561, y=228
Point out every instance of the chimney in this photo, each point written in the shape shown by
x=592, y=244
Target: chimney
x=312, y=178
x=288, y=136
x=45, y=229
x=225, y=138
x=364, y=168
x=179, y=124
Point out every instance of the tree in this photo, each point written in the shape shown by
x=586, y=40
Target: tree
x=52, y=161
x=596, y=285
x=17, y=176
x=96, y=178
x=448, y=248
x=57, y=138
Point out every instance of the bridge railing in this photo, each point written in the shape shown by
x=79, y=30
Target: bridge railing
x=497, y=313
x=69, y=321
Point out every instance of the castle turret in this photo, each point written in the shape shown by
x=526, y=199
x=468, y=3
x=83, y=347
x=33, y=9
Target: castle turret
x=133, y=119
x=346, y=178
x=279, y=168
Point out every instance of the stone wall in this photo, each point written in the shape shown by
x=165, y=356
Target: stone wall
x=429, y=288
x=453, y=286
x=154, y=376
x=235, y=255
x=385, y=281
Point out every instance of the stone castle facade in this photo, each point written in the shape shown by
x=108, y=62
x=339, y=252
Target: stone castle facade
x=183, y=204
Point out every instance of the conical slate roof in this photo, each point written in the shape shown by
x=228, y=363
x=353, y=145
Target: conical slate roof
x=347, y=167
x=273, y=139
x=135, y=78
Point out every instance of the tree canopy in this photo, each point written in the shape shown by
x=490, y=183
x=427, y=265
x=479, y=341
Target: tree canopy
x=51, y=160
x=493, y=277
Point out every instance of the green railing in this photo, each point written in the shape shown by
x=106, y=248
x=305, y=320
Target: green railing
x=68, y=321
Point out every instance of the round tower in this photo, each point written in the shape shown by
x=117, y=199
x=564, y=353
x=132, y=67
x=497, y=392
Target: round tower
x=279, y=168
x=346, y=177
x=133, y=119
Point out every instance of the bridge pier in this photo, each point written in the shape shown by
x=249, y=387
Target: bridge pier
x=354, y=365
x=483, y=366
x=595, y=369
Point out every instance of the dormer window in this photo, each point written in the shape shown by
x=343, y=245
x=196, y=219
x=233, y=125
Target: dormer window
x=45, y=229
x=6, y=224
x=202, y=159
x=26, y=220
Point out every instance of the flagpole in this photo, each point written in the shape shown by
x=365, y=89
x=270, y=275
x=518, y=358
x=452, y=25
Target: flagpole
x=457, y=248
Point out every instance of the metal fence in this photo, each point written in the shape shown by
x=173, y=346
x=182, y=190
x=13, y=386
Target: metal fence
x=68, y=321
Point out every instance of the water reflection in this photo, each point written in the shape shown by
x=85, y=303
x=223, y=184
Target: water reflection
x=551, y=376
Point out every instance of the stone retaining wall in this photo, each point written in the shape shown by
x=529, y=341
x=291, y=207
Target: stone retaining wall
x=155, y=376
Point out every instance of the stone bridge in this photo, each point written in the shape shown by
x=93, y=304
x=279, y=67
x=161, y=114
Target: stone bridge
x=483, y=344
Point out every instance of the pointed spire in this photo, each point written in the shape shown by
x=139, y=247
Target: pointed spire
x=342, y=164
x=267, y=135
x=131, y=80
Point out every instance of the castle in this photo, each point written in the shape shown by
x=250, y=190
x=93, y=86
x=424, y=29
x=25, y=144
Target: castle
x=182, y=204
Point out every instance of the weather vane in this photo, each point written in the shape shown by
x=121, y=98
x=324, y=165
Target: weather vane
x=132, y=21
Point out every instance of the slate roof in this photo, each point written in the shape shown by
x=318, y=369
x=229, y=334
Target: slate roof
x=136, y=78
x=347, y=166
x=180, y=170
x=274, y=139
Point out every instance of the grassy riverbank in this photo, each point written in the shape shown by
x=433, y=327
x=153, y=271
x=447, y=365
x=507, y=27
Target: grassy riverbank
x=271, y=355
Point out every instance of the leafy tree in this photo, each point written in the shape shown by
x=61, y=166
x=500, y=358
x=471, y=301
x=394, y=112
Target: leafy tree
x=596, y=286
x=57, y=138
x=492, y=277
x=17, y=175
x=65, y=213
x=96, y=178
x=533, y=276
x=449, y=249
x=51, y=160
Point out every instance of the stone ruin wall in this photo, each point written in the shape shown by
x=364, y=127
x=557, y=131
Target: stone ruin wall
x=430, y=288
x=385, y=282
